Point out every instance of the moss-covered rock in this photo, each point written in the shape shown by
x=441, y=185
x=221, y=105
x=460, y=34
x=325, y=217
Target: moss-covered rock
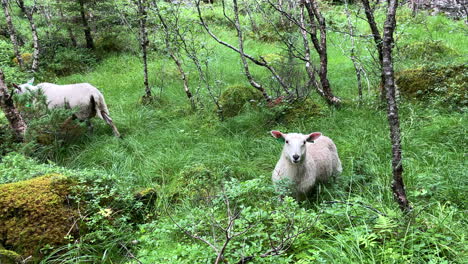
x=301, y=109
x=35, y=213
x=447, y=84
x=235, y=97
x=426, y=50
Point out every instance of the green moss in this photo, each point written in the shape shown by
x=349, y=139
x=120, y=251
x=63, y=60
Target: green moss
x=446, y=84
x=273, y=58
x=427, y=50
x=8, y=256
x=147, y=196
x=27, y=58
x=302, y=109
x=235, y=97
x=35, y=213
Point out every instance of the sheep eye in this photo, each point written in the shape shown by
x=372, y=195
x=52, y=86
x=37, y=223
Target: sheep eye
x=287, y=141
x=303, y=143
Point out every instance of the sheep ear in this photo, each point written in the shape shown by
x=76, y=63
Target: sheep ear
x=313, y=136
x=31, y=81
x=278, y=135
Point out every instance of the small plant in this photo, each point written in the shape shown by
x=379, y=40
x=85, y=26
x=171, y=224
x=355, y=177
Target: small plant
x=49, y=130
x=67, y=61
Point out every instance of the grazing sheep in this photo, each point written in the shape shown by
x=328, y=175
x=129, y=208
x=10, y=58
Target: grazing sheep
x=306, y=159
x=86, y=98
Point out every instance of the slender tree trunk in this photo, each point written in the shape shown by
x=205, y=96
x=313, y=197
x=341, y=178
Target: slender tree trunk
x=261, y=62
x=30, y=15
x=398, y=186
x=252, y=82
x=86, y=27
x=378, y=42
x=308, y=64
x=172, y=54
x=12, y=114
x=12, y=32
x=357, y=67
x=36, y=53
x=320, y=46
x=142, y=13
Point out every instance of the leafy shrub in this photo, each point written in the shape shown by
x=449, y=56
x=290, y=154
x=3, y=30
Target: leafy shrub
x=113, y=42
x=262, y=224
x=11, y=72
x=15, y=167
x=6, y=52
x=49, y=130
x=67, y=61
x=6, y=139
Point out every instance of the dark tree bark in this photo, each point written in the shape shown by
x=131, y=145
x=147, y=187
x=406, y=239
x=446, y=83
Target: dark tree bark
x=320, y=44
x=86, y=27
x=142, y=21
x=12, y=32
x=398, y=186
x=29, y=12
x=12, y=114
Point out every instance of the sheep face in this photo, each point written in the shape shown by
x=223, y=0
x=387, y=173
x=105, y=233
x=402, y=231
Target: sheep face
x=22, y=88
x=295, y=144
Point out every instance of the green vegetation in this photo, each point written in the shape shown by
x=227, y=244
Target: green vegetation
x=175, y=168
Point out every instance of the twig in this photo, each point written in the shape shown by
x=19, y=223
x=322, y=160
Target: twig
x=130, y=254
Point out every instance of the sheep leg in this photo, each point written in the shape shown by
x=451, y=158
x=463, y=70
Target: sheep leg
x=90, y=126
x=108, y=120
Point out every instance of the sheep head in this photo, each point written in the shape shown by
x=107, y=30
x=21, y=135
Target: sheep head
x=295, y=144
x=25, y=86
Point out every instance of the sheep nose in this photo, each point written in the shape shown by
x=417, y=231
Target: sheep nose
x=295, y=157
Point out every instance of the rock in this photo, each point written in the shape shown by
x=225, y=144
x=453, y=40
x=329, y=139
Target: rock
x=35, y=213
x=235, y=97
x=446, y=84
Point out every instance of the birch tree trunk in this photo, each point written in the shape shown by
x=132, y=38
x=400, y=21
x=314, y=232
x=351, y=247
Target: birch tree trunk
x=142, y=19
x=86, y=27
x=378, y=42
x=29, y=12
x=12, y=114
x=398, y=186
x=12, y=32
